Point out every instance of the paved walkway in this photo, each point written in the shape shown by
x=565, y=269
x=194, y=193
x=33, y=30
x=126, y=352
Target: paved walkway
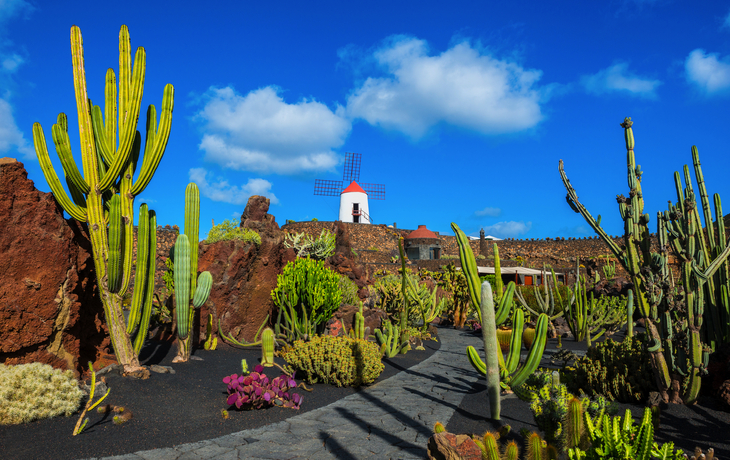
x=392, y=419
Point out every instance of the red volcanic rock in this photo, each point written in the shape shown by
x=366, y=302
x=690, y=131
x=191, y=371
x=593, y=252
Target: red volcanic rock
x=256, y=216
x=447, y=446
x=243, y=277
x=724, y=393
x=345, y=316
x=50, y=311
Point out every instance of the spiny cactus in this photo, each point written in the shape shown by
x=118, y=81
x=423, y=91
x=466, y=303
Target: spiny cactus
x=188, y=285
x=512, y=376
x=589, y=318
x=704, y=274
x=389, y=340
x=108, y=173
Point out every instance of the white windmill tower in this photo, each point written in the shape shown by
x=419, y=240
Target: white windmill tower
x=354, y=206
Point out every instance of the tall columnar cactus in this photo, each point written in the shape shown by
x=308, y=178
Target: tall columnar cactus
x=188, y=285
x=491, y=350
x=104, y=196
x=469, y=266
x=704, y=275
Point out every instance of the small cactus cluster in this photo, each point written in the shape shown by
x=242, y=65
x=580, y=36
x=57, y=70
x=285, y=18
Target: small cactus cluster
x=256, y=391
x=36, y=391
x=618, y=370
x=340, y=361
x=307, y=246
x=389, y=340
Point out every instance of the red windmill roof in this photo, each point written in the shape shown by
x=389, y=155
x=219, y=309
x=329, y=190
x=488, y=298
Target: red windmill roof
x=353, y=187
x=422, y=232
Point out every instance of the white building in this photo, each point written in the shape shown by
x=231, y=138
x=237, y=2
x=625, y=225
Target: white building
x=354, y=205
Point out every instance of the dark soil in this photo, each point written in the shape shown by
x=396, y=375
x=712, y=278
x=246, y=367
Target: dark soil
x=172, y=409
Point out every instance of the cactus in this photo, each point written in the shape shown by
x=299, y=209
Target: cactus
x=306, y=295
x=503, y=300
x=389, y=340
x=704, y=275
x=511, y=376
x=546, y=301
x=108, y=173
x=359, y=331
x=187, y=287
x=589, y=318
x=405, y=311
x=425, y=302
x=267, y=347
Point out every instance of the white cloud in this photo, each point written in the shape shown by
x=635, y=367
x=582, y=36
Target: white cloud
x=619, y=78
x=510, y=229
x=708, y=72
x=462, y=86
x=9, y=8
x=491, y=212
x=220, y=190
x=10, y=136
x=260, y=132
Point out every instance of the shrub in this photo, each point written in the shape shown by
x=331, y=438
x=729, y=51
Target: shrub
x=349, y=289
x=311, y=290
x=229, y=230
x=448, y=256
x=340, y=361
x=620, y=371
x=35, y=391
x=305, y=245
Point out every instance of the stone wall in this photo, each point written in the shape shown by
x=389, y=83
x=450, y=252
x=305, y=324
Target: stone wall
x=560, y=253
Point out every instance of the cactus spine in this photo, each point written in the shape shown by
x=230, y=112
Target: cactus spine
x=704, y=275
x=188, y=285
x=267, y=347
x=108, y=173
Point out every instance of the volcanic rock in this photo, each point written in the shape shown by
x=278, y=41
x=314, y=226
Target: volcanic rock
x=447, y=446
x=256, y=216
x=50, y=310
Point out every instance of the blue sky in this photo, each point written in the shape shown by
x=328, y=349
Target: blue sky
x=462, y=110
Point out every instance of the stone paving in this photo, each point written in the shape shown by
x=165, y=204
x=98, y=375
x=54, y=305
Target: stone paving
x=392, y=419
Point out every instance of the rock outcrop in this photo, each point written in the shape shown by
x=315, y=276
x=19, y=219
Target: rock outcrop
x=50, y=310
x=448, y=446
x=244, y=275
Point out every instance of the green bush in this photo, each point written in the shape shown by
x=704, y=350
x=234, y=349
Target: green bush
x=306, y=285
x=340, y=361
x=349, y=289
x=620, y=371
x=229, y=230
x=36, y=391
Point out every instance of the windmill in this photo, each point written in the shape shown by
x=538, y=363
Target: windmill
x=354, y=198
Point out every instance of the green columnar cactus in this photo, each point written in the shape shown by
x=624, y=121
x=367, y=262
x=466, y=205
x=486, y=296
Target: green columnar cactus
x=108, y=173
x=267, y=347
x=491, y=350
x=704, y=275
x=405, y=311
x=498, y=283
x=358, y=326
x=511, y=376
x=188, y=285
x=630, y=314
x=389, y=340
x=469, y=266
